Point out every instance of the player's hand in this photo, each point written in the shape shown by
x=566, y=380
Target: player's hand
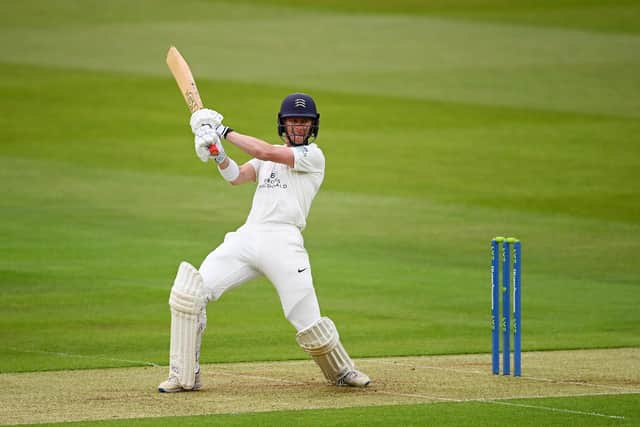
x=217, y=152
x=208, y=145
x=205, y=117
x=205, y=138
x=202, y=150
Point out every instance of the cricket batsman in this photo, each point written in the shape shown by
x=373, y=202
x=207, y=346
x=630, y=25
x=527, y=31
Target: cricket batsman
x=269, y=244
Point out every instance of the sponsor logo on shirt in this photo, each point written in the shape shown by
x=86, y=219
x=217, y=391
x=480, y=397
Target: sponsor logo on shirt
x=272, y=181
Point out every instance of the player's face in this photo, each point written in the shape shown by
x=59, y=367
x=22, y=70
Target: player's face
x=297, y=129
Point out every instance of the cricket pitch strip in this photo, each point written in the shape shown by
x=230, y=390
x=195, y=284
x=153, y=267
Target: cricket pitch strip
x=122, y=393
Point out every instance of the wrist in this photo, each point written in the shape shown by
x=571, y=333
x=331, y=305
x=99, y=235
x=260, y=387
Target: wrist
x=220, y=158
x=231, y=171
x=223, y=131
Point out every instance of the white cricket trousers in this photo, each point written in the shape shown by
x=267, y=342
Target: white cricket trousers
x=275, y=251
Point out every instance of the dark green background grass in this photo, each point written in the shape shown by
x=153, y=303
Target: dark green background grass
x=443, y=125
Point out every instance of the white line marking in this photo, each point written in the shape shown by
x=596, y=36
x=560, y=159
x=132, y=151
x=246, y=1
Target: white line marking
x=610, y=387
x=439, y=368
x=257, y=377
x=419, y=396
x=500, y=401
x=524, y=377
x=549, y=408
x=494, y=401
x=82, y=356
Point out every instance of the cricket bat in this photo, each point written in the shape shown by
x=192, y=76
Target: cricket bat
x=187, y=84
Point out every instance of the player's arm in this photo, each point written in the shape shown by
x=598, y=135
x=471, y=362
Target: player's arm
x=260, y=149
x=246, y=172
x=209, y=147
x=208, y=129
x=253, y=146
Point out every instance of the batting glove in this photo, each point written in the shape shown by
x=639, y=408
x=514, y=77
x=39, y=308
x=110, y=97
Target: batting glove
x=205, y=117
x=208, y=146
x=217, y=152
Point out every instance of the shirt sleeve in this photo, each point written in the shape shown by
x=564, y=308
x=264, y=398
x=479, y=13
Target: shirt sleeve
x=256, y=165
x=308, y=158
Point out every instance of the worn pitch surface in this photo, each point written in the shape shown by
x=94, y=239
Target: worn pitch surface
x=253, y=387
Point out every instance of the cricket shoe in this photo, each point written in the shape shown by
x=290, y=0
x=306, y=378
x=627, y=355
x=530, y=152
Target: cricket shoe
x=172, y=385
x=354, y=379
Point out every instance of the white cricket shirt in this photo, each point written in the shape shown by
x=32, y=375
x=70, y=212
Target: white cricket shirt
x=283, y=194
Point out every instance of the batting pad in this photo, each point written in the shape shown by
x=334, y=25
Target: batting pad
x=322, y=342
x=187, y=313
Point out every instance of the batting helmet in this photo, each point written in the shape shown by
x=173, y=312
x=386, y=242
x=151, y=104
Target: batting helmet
x=299, y=105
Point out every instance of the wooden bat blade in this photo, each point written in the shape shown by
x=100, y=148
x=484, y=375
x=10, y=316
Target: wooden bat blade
x=187, y=84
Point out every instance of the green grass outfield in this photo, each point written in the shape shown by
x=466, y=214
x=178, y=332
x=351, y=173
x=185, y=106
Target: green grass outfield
x=443, y=126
